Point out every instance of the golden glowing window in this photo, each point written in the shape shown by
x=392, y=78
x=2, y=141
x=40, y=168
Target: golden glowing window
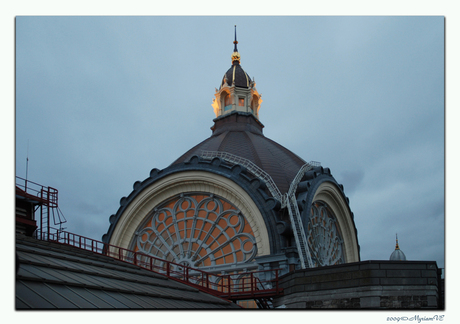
x=197, y=230
x=241, y=102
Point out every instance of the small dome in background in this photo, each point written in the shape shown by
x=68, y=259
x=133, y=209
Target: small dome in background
x=397, y=254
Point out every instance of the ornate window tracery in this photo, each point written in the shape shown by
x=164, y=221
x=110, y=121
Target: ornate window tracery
x=323, y=235
x=197, y=230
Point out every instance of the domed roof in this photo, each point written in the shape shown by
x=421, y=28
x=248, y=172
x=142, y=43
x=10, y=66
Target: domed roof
x=236, y=75
x=397, y=254
x=241, y=134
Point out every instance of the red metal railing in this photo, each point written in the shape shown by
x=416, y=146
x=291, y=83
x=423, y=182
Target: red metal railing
x=46, y=195
x=46, y=198
x=235, y=286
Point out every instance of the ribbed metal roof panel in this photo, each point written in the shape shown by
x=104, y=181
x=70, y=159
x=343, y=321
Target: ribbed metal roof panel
x=72, y=294
x=31, y=298
x=58, y=280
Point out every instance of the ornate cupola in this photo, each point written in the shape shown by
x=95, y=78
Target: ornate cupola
x=237, y=91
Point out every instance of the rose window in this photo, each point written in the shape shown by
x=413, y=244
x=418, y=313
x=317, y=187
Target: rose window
x=323, y=235
x=197, y=230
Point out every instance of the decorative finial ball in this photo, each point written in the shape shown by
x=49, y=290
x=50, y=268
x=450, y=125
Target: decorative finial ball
x=236, y=57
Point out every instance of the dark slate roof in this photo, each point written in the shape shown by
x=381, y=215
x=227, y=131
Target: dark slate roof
x=242, y=79
x=241, y=134
x=57, y=276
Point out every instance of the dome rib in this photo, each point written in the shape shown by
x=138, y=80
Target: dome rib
x=236, y=74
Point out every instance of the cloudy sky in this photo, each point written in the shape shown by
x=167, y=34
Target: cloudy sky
x=100, y=101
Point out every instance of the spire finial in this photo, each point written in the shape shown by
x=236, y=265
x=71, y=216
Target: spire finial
x=235, y=42
x=397, y=245
x=235, y=55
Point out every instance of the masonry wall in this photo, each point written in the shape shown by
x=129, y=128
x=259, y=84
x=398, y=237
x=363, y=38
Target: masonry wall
x=363, y=285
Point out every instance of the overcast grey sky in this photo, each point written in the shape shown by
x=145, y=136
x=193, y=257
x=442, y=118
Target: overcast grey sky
x=100, y=101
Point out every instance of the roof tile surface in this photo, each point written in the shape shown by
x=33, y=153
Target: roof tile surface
x=53, y=275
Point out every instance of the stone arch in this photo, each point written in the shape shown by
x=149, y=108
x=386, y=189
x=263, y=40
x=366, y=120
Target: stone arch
x=141, y=205
x=320, y=186
x=329, y=193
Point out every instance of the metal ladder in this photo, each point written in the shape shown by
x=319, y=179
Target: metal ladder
x=49, y=208
x=296, y=220
x=287, y=200
x=299, y=233
x=250, y=166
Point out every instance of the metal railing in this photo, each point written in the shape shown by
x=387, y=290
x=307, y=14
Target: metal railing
x=46, y=195
x=249, y=165
x=235, y=286
x=295, y=182
x=47, y=199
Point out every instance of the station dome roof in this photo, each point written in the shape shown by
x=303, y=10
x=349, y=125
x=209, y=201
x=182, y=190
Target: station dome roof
x=241, y=134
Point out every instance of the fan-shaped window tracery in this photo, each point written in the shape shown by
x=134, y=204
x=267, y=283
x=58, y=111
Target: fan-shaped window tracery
x=197, y=230
x=323, y=235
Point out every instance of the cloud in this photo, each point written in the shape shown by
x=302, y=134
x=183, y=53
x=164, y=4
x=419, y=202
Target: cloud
x=103, y=100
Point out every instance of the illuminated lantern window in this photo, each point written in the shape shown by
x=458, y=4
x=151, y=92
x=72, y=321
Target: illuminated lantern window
x=241, y=102
x=227, y=102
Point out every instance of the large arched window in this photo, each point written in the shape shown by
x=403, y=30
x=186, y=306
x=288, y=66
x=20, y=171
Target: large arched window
x=324, y=237
x=197, y=230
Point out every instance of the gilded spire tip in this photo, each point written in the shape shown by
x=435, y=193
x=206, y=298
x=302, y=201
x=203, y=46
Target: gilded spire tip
x=235, y=56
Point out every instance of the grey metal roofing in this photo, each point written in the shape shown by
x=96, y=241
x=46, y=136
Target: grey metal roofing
x=241, y=134
x=57, y=276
